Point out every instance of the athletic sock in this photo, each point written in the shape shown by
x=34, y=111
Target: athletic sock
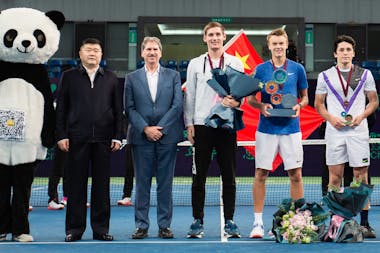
x=258, y=219
x=364, y=218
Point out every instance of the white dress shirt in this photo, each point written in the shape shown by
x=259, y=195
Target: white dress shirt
x=152, y=78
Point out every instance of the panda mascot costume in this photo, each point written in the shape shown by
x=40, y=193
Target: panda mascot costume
x=28, y=38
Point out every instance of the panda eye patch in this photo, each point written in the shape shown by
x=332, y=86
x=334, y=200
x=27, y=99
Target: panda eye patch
x=9, y=37
x=40, y=36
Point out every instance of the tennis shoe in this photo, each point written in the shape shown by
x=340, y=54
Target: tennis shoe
x=22, y=238
x=55, y=206
x=257, y=231
x=231, y=230
x=3, y=237
x=196, y=229
x=64, y=201
x=125, y=202
x=368, y=232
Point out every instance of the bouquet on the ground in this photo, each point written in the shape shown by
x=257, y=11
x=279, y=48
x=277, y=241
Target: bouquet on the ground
x=344, y=204
x=298, y=221
x=348, y=201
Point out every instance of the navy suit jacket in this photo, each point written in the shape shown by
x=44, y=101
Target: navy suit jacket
x=165, y=111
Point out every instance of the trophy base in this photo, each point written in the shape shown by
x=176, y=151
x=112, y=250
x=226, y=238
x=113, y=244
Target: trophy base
x=281, y=112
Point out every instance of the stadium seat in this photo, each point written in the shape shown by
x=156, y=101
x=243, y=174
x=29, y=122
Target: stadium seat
x=182, y=68
x=103, y=63
x=54, y=63
x=183, y=64
x=72, y=63
x=171, y=64
x=369, y=64
x=54, y=68
x=140, y=64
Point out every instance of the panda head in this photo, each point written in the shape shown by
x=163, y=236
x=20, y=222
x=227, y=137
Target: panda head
x=28, y=35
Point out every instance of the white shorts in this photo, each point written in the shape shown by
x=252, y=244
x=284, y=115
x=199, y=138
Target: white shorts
x=352, y=149
x=289, y=146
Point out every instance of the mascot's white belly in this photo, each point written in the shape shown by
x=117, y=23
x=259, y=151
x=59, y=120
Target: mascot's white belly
x=21, y=120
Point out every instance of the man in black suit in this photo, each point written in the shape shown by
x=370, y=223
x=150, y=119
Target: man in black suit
x=89, y=128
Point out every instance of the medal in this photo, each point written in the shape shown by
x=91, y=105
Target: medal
x=271, y=87
x=276, y=99
x=348, y=119
x=343, y=114
x=280, y=76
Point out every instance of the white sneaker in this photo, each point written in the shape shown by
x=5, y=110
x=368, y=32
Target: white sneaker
x=22, y=238
x=3, y=237
x=257, y=231
x=125, y=202
x=64, y=201
x=55, y=206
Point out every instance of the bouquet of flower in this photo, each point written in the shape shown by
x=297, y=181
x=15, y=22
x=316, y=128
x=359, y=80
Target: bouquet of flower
x=238, y=85
x=298, y=221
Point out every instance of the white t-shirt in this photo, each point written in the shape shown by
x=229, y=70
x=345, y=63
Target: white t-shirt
x=334, y=106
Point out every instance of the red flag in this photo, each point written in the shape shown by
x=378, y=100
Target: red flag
x=240, y=47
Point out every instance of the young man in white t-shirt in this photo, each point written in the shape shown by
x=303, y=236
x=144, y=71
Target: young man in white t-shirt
x=345, y=88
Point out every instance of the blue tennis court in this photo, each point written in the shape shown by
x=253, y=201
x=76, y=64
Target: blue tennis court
x=47, y=227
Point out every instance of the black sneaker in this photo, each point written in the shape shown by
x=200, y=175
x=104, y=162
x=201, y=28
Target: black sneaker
x=140, y=233
x=165, y=233
x=368, y=232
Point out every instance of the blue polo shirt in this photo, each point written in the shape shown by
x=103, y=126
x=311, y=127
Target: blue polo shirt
x=295, y=81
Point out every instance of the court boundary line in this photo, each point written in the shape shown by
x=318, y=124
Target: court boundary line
x=223, y=238
x=188, y=241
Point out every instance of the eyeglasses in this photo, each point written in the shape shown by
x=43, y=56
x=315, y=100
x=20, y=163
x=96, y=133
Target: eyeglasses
x=89, y=50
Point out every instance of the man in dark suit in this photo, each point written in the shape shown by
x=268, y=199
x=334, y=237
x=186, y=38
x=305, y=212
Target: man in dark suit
x=89, y=128
x=153, y=102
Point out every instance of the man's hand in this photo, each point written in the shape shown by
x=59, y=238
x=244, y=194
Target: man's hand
x=229, y=101
x=153, y=133
x=336, y=122
x=115, y=146
x=296, y=108
x=356, y=121
x=264, y=109
x=63, y=145
x=191, y=134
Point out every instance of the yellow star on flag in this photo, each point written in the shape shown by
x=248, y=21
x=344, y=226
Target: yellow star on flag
x=243, y=59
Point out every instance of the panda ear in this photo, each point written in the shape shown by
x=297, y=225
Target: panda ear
x=57, y=17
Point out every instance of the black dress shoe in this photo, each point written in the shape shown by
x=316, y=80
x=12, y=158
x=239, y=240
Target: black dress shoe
x=165, y=233
x=140, y=233
x=72, y=238
x=103, y=237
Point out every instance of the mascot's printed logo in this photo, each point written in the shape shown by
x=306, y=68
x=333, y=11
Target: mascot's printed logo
x=10, y=122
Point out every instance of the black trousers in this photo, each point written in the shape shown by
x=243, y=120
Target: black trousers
x=15, y=187
x=224, y=142
x=56, y=172
x=80, y=157
x=129, y=172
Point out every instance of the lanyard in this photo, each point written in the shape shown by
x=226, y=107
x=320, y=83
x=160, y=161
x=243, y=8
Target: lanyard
x=221, y=62
x=345, y=88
